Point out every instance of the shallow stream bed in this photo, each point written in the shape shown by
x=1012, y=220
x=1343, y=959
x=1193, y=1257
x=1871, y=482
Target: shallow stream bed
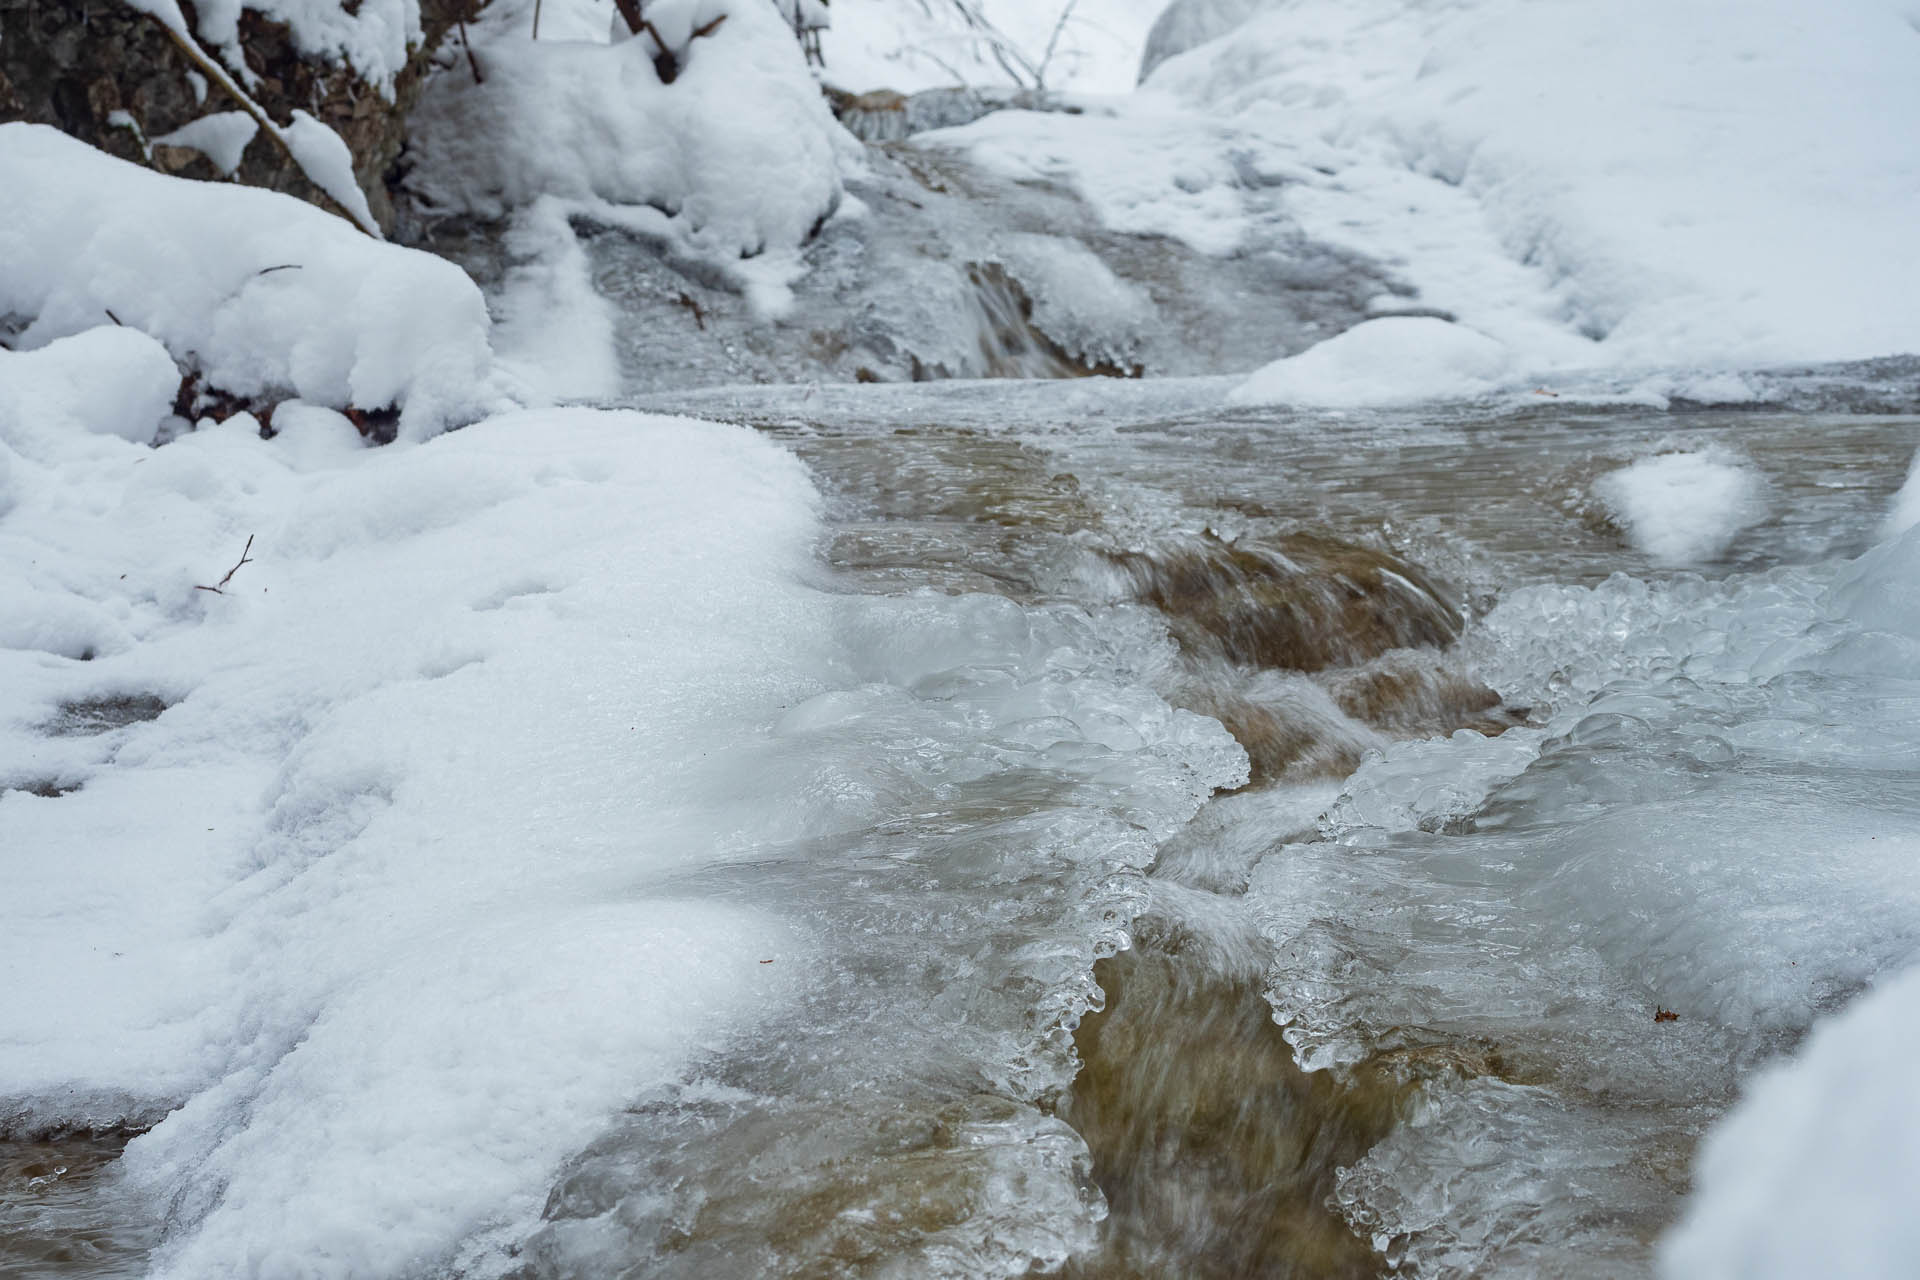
x=1532, y=857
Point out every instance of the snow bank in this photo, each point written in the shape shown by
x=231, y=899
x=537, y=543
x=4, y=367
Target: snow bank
x=379, y=896
x=1684, y=508
x=1392, y=360
x=1717, y=183
x=737, y=158
x=265, y=296
x=1813, y=1173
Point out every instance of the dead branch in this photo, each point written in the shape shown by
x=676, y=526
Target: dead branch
x=467, y=44
x=1040, y=72
x=228, y=85
x=244, y=559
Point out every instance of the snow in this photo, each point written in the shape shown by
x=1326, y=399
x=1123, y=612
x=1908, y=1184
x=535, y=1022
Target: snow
x=112, y=380
x=1812, y=1174
x=221, y=137
x=1714, y=186
x=1684, y=508
x=1392, y=360
x=1904, y=511
x=324, y=158
x=880, y=44
x=263, y=294
x=373, y=36
x=399, y=841
x=738, y=158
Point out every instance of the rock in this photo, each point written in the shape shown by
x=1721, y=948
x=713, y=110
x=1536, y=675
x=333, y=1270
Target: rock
x=110, y=76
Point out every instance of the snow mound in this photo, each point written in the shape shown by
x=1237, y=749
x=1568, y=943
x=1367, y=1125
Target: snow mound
x=373, y=36
x=1392, y=360
x=1684, y=508
x=265, y=296
x=1717, y=184
x=396, y=844
x=111, y=380
x=1813, y=1173
x=738, y=157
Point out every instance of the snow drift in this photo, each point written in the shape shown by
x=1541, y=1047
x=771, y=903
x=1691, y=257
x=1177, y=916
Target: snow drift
x=264, y=296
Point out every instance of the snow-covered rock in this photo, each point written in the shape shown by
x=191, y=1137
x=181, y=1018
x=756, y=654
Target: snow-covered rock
x=264, y=296
x=1684, y=508
x=1392, y=360
x=737, y=158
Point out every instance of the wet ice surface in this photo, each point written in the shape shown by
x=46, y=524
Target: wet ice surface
x=1568, y=943
x=1469, y=938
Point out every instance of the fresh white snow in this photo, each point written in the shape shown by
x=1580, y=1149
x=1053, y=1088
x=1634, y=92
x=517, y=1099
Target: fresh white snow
x=1684, y=508
x=735, y=164
x=263, y=294
x=1392, y=360
x=1712, y=185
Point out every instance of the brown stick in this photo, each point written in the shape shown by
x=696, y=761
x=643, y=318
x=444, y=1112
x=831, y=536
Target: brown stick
x=244, y=559
x=472, y=61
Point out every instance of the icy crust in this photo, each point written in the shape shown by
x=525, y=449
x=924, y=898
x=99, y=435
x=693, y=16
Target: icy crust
x=738, y=158
x=1715, y=823
x=261, y=294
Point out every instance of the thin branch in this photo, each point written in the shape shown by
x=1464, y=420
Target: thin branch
x=1040, y=72
x=244, y=559
x=467, y=44
x=218, y=74
x=536, y=19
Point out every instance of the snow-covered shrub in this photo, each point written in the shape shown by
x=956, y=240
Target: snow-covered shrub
x=264, y=296
x=737, y=157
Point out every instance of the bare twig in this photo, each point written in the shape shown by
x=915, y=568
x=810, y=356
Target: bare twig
x=708, y=29
x=1040, y=72
x=116, y=319
x=472, y=61
x=284, y=266
x=244, y=559
x=536, y=19
x=219, y=75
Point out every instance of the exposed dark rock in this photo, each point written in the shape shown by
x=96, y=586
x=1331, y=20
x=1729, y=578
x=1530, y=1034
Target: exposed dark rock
x=77, y=65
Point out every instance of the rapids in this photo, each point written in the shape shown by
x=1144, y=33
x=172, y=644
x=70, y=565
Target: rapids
x=1384, y=987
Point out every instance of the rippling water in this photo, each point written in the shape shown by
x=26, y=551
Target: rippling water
x=1393, y=996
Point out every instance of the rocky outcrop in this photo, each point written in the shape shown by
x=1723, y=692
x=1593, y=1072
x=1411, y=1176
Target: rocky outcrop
x=110, y=76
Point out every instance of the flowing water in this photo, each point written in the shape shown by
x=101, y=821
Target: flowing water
x=1446, y=974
